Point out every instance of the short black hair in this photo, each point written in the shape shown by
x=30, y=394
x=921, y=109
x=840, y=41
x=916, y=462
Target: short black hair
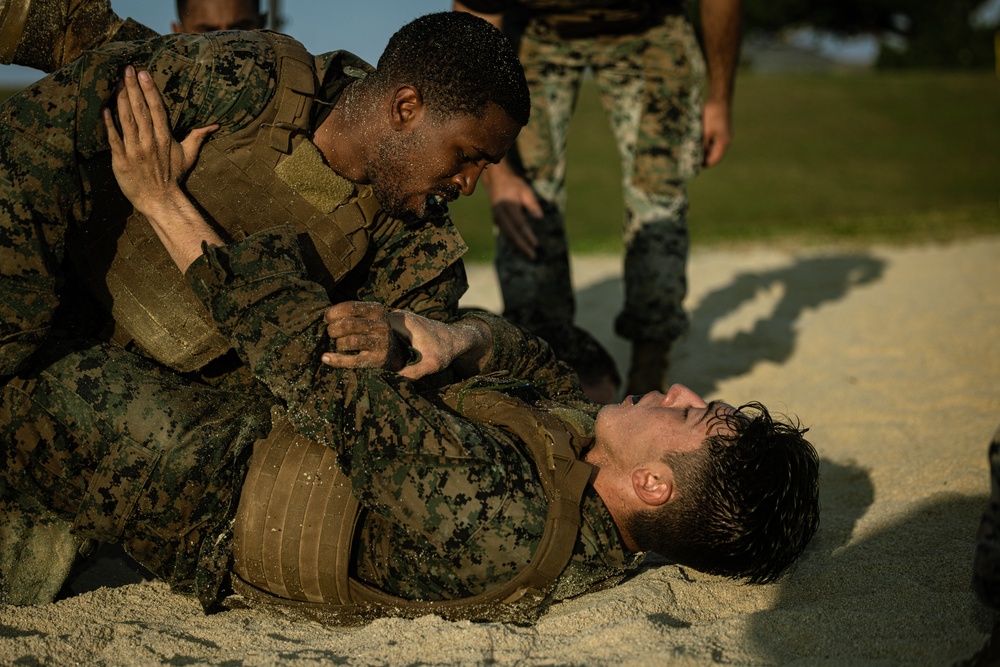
x=459, y=63
x=748, y=501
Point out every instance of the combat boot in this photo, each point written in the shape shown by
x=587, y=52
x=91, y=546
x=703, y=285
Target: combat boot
x=650, y=363
x=47, y=34
x=37, y=551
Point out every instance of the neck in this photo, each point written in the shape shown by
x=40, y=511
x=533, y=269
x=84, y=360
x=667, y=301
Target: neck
x=341, y=139
x=608, y=486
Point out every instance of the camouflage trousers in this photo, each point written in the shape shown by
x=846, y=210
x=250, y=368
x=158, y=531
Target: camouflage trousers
x=986, y=570
x=111, y=447
x=651, y=88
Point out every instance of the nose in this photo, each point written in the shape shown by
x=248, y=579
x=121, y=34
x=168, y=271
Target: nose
x=680, y=396
x=467, y=178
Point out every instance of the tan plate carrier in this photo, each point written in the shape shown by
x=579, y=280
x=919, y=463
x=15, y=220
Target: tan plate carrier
x=297, y=518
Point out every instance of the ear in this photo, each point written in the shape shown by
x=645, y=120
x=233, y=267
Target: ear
x=407, y=107
x=653, y=486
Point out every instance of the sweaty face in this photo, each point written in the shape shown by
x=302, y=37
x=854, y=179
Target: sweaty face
x=643, y=428
x=208, y=15
x=441, y=158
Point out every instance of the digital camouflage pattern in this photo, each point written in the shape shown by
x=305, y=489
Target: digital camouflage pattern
x=56, y=182
x=650, y=84
x=155, y=460
x=120, y=449
x=986, y=571
x=55, y=177
x=454, y=506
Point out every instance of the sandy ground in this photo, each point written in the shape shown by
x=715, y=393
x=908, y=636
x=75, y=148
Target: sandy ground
x=891, y=356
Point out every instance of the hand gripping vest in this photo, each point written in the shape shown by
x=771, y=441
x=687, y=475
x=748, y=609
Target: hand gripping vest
x=296, y=522
x=235, y=184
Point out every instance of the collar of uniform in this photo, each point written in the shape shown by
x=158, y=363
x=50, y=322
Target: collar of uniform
x=336, y=70
x=600, y=556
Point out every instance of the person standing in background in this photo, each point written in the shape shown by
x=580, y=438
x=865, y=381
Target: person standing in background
x=198, y=16
x=650, y=71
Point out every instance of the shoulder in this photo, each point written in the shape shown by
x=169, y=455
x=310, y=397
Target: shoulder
x=226, y=77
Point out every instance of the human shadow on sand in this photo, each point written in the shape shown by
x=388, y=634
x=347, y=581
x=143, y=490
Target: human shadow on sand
x=903, y=588
x=715, y=349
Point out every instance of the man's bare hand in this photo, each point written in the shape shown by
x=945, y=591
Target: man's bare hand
x=150, y=164
x=361, y=337
x=717, y=132
x=146, y=159
x=440, y=345
x=513, y=203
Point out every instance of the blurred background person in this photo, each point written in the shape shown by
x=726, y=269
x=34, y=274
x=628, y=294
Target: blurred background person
x=208, y=15
x=650, y=72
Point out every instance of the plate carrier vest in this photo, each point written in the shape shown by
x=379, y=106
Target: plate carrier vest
x=297, y=519
x=151, y=303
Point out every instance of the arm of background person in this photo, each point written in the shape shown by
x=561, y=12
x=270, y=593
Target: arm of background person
x=511, y=198
x=721, y=23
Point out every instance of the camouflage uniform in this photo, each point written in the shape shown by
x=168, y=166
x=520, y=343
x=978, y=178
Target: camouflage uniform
x=56, y=183
x=56, y=186
x=453, y=506
x=649, y=73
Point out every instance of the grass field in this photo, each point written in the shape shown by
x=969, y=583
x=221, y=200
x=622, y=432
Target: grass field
x=873, y=156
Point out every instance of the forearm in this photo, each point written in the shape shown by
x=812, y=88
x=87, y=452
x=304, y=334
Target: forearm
x=496, y=19
x=182, y=229
x=257, y=293
x=722, y=24
x=519, y=354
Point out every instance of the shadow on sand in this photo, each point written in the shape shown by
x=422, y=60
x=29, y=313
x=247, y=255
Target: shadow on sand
x=775, y=298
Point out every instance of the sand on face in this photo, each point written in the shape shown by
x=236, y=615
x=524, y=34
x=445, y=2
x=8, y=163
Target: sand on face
x=891, y=355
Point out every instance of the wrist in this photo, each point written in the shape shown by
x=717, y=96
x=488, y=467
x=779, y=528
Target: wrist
x=476, y=343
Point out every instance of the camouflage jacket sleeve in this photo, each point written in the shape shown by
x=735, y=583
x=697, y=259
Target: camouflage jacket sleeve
x=54, y=166
x=445, y=490
x=518, y=353
x=415, y=266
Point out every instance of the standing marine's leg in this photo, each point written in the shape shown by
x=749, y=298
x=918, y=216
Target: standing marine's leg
x=651, y=87
x=47, y=34
x=538, y=294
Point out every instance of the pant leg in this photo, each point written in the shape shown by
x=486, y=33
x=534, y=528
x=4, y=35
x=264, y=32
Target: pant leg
x=538, y=294
x=127, y=451
x=651, y=87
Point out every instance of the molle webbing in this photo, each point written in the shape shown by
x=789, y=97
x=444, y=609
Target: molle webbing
x=235, y=185
x=296, y=513
x=320, y=531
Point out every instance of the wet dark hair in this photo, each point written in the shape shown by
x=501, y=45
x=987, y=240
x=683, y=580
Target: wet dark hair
x=747, y=504
x=459, y=63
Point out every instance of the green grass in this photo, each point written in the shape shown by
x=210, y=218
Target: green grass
x=901, y=156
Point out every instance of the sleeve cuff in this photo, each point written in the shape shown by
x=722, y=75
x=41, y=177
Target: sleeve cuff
x=231, y=278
